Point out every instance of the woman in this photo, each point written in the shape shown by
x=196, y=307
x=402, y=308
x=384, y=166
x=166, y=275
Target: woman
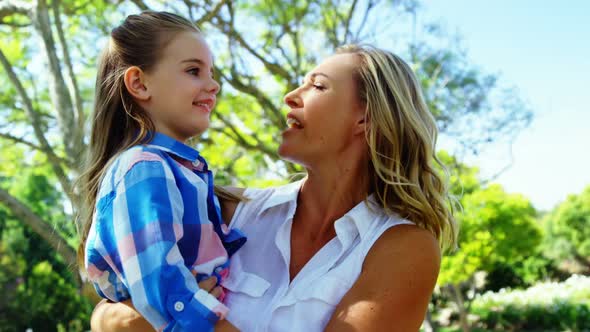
x=323, y=253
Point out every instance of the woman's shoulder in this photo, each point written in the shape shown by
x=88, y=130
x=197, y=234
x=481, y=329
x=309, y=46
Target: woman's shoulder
x=406, y=244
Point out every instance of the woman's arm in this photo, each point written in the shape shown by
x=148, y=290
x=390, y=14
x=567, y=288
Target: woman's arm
x=117, y=317
x=393, y=291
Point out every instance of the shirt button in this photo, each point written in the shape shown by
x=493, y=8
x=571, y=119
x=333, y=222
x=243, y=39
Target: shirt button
x=179, y=306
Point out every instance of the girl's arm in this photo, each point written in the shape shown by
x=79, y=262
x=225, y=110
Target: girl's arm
x=138, y=228
x=109, y=316
x=394, y=288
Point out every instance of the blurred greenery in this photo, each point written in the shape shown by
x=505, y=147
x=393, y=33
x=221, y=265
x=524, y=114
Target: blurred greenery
x=48, y=53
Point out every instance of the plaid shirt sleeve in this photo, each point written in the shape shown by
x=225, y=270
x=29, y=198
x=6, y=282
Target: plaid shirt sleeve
x=138, y=227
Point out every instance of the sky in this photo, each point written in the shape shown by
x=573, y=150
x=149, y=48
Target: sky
x=543, y=49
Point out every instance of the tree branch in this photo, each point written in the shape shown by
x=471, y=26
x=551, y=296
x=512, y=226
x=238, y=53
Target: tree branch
x=22, y=212
x=253, y=91
x=32, y=145
x=60, y=94
x=37, y=127
x=241, y=140
x=78, y=139
x=347, y=20
x=140, y=4
x=210, y=14
x=11, y=7
x=361, y=26
x=231, y=32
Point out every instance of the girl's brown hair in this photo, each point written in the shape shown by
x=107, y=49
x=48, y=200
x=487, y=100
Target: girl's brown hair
x=118, y=122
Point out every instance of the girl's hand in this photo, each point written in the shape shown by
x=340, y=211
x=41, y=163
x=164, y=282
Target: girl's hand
x=209, y=285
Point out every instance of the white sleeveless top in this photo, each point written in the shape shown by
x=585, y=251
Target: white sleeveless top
x=260, y=296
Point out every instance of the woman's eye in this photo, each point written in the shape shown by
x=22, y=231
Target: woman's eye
x=319, y=87
x=194, y=71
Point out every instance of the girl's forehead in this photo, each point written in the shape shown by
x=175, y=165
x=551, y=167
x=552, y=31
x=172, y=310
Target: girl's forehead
x=187, y=46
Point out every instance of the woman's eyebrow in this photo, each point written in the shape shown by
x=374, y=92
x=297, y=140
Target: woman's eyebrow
x=314, y=75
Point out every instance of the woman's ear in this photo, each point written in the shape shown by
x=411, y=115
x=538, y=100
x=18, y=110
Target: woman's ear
x=134, y=79
x=362, y=122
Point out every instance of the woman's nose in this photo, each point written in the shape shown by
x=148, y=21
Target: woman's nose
x=293, y=100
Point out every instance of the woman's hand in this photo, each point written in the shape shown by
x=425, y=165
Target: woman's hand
x=122, y=316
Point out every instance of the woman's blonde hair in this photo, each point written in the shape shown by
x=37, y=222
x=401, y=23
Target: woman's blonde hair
x=118, y=122
x=401, y=135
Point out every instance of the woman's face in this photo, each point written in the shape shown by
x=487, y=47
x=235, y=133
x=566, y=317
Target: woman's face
x=326, y=115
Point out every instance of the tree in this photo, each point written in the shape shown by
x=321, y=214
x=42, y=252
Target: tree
x=496, y=228
x=568, y=230
x=263, y=49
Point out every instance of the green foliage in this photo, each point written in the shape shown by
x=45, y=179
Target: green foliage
x=568, y=230
x=543, y=307
x=47, y=300
x=496, y=228
x=34, y=294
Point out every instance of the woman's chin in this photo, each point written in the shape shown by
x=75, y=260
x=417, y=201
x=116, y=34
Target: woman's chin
x=283, y=151
x=287, y=154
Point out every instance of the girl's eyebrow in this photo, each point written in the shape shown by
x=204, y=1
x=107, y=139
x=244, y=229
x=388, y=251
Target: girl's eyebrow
x=195, y=60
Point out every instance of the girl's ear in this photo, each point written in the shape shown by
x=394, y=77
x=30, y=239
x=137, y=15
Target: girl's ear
x=134, y=82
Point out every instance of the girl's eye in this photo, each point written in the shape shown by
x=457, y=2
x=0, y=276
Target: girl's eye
x=319, y=87
x=194, y=71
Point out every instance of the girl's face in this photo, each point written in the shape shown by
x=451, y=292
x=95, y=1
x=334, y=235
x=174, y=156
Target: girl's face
x=181, y=87
x=326, y=115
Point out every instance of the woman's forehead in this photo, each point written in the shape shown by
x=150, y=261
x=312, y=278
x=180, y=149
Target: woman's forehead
x=338, y=66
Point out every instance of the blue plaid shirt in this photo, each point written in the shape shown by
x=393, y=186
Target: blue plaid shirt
x=157, y=225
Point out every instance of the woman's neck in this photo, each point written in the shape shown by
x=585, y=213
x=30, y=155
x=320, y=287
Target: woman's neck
x=328, y=194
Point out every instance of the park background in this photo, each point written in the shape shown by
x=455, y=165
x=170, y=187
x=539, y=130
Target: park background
x=504, y=79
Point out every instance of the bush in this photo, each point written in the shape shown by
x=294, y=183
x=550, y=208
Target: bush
x=544, y=307
x=45, y=301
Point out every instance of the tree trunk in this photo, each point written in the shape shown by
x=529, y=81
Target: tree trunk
x=458, y=297
x=429, y=324
x=42, y=228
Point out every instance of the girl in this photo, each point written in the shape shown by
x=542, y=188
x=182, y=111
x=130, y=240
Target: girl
x=152, y=221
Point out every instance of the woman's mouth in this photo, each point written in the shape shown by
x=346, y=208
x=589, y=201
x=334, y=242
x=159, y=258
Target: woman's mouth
x=293, y=123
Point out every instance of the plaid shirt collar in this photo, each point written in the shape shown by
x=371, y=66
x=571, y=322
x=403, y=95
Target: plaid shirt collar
x=178, y=149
